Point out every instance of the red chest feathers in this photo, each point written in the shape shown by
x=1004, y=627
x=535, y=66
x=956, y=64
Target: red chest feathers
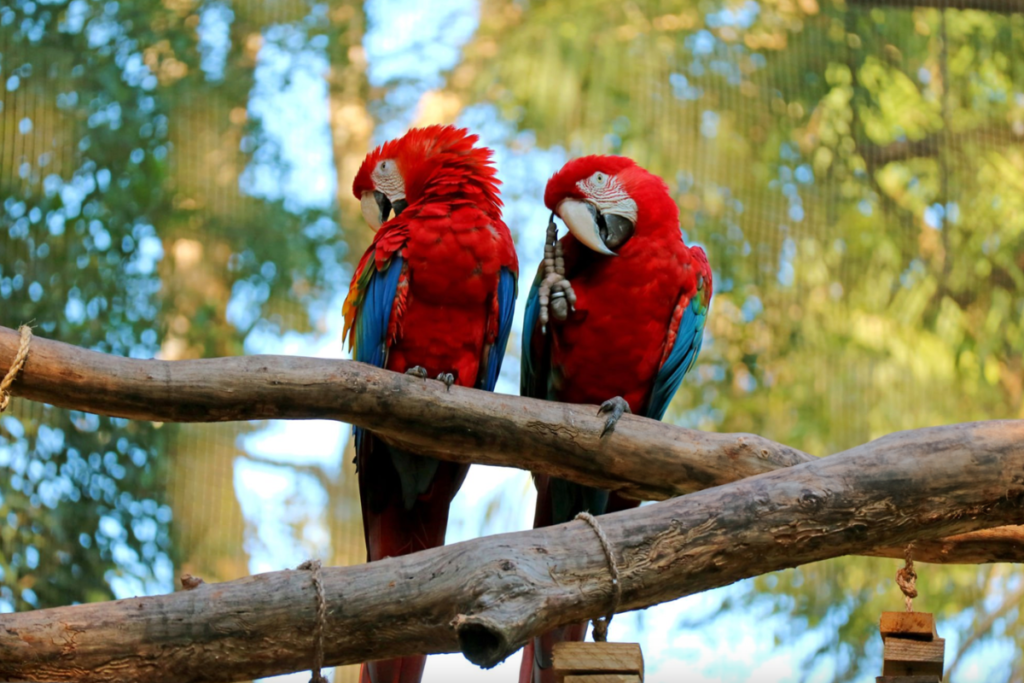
x=613, y=344
x=454, y=259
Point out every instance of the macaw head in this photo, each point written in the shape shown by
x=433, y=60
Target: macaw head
x=404, y=170
x=380, y=183
x=607, y=200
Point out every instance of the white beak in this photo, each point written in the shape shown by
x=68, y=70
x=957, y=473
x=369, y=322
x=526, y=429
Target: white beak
x=580, y=221
x=371, y=210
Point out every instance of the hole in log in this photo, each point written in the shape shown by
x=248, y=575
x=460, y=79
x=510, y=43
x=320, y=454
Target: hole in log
x=482, y=645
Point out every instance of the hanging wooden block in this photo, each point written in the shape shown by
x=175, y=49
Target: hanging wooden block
x=912, y=650
x=598, y=663
x=913, y=625
x=905, y=657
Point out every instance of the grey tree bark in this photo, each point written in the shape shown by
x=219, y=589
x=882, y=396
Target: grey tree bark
x=642, y=458
x=487, y=597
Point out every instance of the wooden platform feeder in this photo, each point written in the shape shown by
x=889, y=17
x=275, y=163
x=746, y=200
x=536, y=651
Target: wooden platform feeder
x=912, y=650
x=598, y=663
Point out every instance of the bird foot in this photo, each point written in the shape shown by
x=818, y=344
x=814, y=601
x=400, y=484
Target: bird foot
x=617, y=407
x=555, y=294
x=417, y=371
x=448, y=379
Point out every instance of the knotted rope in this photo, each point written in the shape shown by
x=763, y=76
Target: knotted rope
x=321, y=618
x=19, y=362
x=906, y=579
x=601, y=625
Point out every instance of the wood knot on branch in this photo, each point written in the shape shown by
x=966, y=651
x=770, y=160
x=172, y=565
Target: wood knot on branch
x=482, y=641
x=189, y=582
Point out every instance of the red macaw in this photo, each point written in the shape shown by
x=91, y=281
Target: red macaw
x=432, y=296
x=640, y=298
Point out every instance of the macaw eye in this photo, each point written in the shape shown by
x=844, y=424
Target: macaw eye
x=600, y=178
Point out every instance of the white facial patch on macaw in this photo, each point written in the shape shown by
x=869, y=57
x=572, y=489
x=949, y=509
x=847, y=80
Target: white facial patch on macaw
x=388, y=180
x=607, y=194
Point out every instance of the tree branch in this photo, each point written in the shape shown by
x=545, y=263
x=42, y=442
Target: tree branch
x=461, y=425
x=997, y=6
x=876, y=156
x=1011, y=601
x=642, y=458
x=488, y=596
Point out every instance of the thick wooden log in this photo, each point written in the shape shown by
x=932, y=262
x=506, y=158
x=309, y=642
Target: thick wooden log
x=488, y=596
x=462, y=425
x=1003, y=544
x=642, y=458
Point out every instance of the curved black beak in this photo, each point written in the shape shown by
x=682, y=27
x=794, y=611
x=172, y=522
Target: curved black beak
x=376, y=208
x=614, y=230
x=384, y=205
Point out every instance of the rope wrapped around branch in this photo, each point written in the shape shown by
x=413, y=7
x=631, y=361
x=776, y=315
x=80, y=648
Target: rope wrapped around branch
x=16, y=366
x=601, y=625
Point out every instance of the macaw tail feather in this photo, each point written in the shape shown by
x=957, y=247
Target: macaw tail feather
x=405, y=508
x=404, y=670
x=405, y=500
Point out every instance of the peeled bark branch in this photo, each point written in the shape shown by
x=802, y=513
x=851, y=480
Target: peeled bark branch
x=461, y=425
x=642, y=458
x=489, y=596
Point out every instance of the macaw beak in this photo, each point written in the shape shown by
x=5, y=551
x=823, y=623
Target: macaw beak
x=601, y=232
x=377, y=208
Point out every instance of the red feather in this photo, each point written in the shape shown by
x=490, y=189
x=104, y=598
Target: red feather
x=628, y=308
x=625, y=304
x=444, y=317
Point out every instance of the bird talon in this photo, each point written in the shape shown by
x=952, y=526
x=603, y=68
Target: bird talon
x=618, y=407
x=448, y=379
x=417, y=371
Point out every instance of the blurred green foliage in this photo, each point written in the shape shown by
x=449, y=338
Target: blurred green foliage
x=110, y=113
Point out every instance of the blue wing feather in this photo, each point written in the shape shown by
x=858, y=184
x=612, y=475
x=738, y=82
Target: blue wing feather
x=527, y=363
x=689, y=337
x=373, y=318
x=506, y=309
